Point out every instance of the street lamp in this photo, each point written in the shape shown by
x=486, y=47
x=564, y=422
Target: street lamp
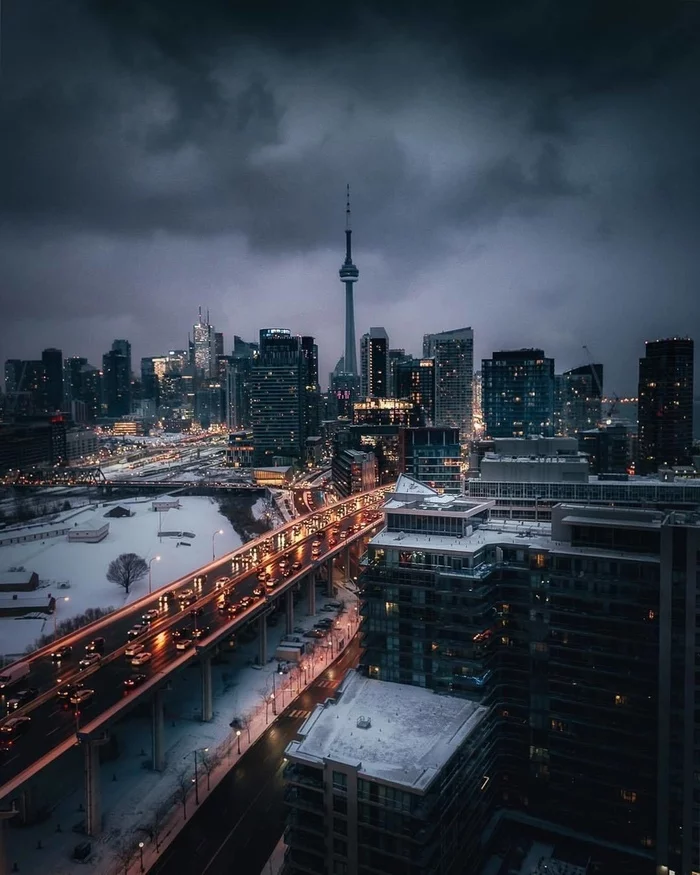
x=141, y=853
x=150, y=562
x=65, y=598
x=274, y=703
x=238, y=739
x=213, y=552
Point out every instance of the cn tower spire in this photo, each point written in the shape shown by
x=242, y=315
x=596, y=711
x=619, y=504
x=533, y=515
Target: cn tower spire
x=348, y=275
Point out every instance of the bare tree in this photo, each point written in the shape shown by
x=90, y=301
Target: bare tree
x=127, y=569
x=125, y=854
x=160, y=812
x=264, y=693
x=246, y=720
x=210, y=760
x=183, y=783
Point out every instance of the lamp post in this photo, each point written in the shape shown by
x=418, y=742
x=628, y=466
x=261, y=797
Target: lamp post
x=274, y=704
x=238, y=739
x=213, y=551
x=141, y=854
x=150, y=562
x=196, y=779
x=65, y=598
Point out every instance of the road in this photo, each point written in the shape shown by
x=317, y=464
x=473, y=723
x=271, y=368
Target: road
x=52, y=724
x=240, y=823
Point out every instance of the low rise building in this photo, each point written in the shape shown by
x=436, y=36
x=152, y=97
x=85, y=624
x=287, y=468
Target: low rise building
x=387, y=778
x=89, y=532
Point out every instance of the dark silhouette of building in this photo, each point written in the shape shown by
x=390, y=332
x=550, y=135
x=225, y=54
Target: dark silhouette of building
x=32, y=444
x=310, y=389
x=116, y=376
x=665, y=404
x=374, y=364
x=52, y=360
x=518, y=393
x=396, y=357
x=415, y=381
x=608, y=448
x=577, y=399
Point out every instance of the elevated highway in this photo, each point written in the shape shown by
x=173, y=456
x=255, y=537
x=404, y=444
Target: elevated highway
x=307, y=543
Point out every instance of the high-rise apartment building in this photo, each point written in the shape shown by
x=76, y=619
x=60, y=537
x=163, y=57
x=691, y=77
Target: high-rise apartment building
x=52, y=360
x=577, y=399
x=204, y=346
x=275, y=396
x=116, y=380
x=518, y=393
x=218, y=344
x=665, y=405
x=310, y=389
x=374, y=364
x=453, y=352
x=432, y=456
x=396, y=357
x=415, y=381
x=577, y=640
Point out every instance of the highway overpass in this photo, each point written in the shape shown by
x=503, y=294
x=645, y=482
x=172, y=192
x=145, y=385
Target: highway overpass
x=55, y=731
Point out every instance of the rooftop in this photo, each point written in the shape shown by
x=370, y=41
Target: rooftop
x=411, y=732
x=496, y=532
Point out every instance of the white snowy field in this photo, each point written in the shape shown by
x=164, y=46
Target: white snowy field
x=76, y=572
x=129, y=803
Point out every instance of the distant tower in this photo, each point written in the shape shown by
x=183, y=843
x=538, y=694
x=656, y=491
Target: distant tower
x=348, y=275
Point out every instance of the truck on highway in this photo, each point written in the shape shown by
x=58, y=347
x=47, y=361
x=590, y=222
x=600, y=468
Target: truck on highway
x=12, y=674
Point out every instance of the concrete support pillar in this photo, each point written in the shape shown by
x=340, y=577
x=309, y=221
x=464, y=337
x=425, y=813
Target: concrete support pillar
x=311, y=583
x=207, y=697
x=289, y=610
x=157, y=746
x=262, y=640
x=5, y=866
x=93, y=809
x=329, y=579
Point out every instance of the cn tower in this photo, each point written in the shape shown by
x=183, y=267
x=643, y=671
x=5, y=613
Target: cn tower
x=349, y=275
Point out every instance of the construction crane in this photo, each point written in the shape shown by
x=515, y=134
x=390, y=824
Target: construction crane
x=612, y=409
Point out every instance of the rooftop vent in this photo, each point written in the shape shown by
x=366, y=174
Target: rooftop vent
x=364, y=723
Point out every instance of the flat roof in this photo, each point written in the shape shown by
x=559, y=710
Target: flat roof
x=412, y=731
x=519, y=532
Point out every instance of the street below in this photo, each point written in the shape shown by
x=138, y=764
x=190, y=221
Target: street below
x=239, y=824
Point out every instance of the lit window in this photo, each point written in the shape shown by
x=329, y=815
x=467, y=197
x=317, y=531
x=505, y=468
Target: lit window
x=620, y=700
x=628, y=796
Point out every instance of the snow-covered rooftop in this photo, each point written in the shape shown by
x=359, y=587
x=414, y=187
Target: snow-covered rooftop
x=412, y=731
x=406, y=485
x=496, y=532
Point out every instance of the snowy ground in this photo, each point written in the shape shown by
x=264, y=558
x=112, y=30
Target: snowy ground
x=132, y=793
x=75, y=572
x=264, y=508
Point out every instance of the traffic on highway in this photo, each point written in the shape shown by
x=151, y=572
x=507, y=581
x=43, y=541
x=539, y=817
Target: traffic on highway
x=62, y=689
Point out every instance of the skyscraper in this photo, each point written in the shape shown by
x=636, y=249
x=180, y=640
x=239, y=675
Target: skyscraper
x=52, y=359
x=453, y=352
x=116, y=376
x=275, y=396
x=348, y=275
x=310, y=389
x=415, y=380
x=374, y=364
x=665, y=407
x=577, y=399
x=518, y=393
x=204, y=346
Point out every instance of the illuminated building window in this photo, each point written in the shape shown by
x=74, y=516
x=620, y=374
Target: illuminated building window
x=620, y=700
x=628, y=796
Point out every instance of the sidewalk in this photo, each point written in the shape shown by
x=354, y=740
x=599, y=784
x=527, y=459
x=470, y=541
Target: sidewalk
x=276, y=861
x=141, y=856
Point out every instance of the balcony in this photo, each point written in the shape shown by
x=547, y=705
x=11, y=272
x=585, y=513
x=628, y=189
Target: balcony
x=308, y=822
x=305, y=842
x=298, y=861
x=295, y=774
x=304, y=800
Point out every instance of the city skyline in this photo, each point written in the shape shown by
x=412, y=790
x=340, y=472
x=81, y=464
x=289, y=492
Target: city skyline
x=539, y=189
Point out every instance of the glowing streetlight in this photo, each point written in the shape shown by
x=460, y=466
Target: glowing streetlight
x=213, y=551
x=141, y=853
x=150, y=562
x=238, y=739
x=65, y=598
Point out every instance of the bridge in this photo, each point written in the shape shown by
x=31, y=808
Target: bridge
x=307, y=542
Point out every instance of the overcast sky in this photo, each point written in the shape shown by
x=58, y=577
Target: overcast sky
x=527, y=167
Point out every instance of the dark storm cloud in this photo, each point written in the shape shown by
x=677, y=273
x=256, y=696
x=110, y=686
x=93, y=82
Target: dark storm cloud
x=164, y=153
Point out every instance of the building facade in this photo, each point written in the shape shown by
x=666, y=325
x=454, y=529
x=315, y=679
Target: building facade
x=52, y=360
x=453, y=352
x=577, y=399
x=116, y=380
x=353, y=471
x=374, y=364
x=665, y=404
x=415, y=381
x=518, y=393
x=432, y=456
x=387, y=411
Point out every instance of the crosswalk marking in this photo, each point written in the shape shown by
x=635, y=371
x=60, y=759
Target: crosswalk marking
x=325, y=683
x=299, y=713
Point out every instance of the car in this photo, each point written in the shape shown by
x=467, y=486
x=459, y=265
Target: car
x=332, y=542
x=81, y=698
x=183, y=643
x=316, y=545
x=134, y=680
x=221, y=582
x=299, y=630
x=150, y=616
x=141, y=658
x=286, y=572
x=97, y=645
x=313, y=633
x=271, y=584
x=258, y=591
x=200, y=633
x=62, y=653
x=296, y=566
x=343, y=536
x=328, y=609
x=13, y=729
x=133, y=649
x=89, y=660
x=185, y=594
x=325, y=622
x=322, y=630
x=166, y=597
x=197, y=612
x=199, y=581
x=67, y=691
x=232, y=610
x=178, y=633
x=137, y=630
x=21, y=698
x=261, y=574
x=186, y=602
